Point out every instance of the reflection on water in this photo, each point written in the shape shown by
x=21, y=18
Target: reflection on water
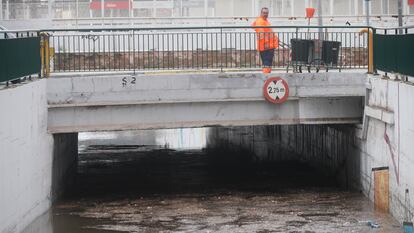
x=100, y=135
x=189, y=138
x=164, y=181
x=182, y=138
x=42, y=224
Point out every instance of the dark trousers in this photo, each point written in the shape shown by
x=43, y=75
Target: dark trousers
x=267, y=57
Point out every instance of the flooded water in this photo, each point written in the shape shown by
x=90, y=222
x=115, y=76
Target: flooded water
x=171, y=184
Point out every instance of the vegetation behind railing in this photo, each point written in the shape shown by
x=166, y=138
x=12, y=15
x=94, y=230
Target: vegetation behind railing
x=25, y=53
x=191, y=48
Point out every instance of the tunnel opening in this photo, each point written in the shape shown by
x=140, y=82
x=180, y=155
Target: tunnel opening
x=221, y=179
x=205, y=160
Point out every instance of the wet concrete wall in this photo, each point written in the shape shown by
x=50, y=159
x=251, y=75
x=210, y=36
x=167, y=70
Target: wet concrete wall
x=324, y=147
x=31, y=159
x=328, y=148
x=65, y=157
x=25, y=155
x=389, y=142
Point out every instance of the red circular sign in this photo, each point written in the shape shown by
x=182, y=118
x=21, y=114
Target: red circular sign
x=276, y=90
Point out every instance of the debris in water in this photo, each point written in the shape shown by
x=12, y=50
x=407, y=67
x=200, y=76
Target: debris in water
x=318, y=214
x=373, y=224
x=408, y=227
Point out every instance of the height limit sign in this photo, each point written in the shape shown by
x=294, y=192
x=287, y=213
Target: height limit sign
x=276, y=90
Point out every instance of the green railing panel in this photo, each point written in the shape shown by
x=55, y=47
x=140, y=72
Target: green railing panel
x=19, y=57
x=394, y=53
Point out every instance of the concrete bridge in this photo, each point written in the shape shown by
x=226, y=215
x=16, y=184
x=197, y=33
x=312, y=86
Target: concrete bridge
x=41, y=118
x=90, y=89
x=79, y=103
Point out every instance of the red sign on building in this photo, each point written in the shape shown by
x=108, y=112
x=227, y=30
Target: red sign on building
x=411, y=2
x=121, y=5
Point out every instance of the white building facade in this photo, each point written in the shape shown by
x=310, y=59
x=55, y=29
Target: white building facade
x=70, y=9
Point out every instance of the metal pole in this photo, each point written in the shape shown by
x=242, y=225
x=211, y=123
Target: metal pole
x=129, y=8
x=154, y=9
x=406, y=8
x=320, y=33
x=232, y=8
x=281, y=12
x=206, y=8
x=24, y=9
x=356, y=13
x=102, y=8
x=173, y=10
x=7, y=10
x=331, y=7
x=90, y=9
x=77, y=9
x=253, y=8
x=400, y=12
x=1, y=9
x=49, y=9
x=132, y=9
x=320, y=20
x=206, y=11
x=367, y=11
x=181, y=9
x=256, y=7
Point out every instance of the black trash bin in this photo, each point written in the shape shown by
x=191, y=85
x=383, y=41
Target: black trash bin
x=330, y=53
x=302, y=51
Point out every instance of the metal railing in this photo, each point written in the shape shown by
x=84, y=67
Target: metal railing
x=394, y=30
x=189, y=48
x=19, y=55
x=393, y=48
x=9, y=34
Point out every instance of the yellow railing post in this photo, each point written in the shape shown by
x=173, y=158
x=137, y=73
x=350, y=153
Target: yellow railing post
x=42, y=55
x=45, y=54
x=370, y=49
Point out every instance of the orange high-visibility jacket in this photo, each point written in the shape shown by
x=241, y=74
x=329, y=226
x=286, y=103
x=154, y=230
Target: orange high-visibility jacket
x=266, y=39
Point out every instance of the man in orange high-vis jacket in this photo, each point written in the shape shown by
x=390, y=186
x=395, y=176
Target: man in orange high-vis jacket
x=267, y=41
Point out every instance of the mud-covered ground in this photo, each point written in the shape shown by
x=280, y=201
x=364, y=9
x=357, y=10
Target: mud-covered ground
x=152, y=189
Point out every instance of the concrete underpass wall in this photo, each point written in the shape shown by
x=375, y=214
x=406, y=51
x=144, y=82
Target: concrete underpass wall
x=65, y=161
x=341, y=149
x=389, y=142
x=324, y=147
x=257, y=140
x=27, y=156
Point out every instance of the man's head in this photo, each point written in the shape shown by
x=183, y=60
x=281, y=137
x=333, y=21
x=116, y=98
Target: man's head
x=264, y=12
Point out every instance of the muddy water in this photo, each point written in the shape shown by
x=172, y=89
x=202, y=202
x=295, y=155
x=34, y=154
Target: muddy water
x=142, y=188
